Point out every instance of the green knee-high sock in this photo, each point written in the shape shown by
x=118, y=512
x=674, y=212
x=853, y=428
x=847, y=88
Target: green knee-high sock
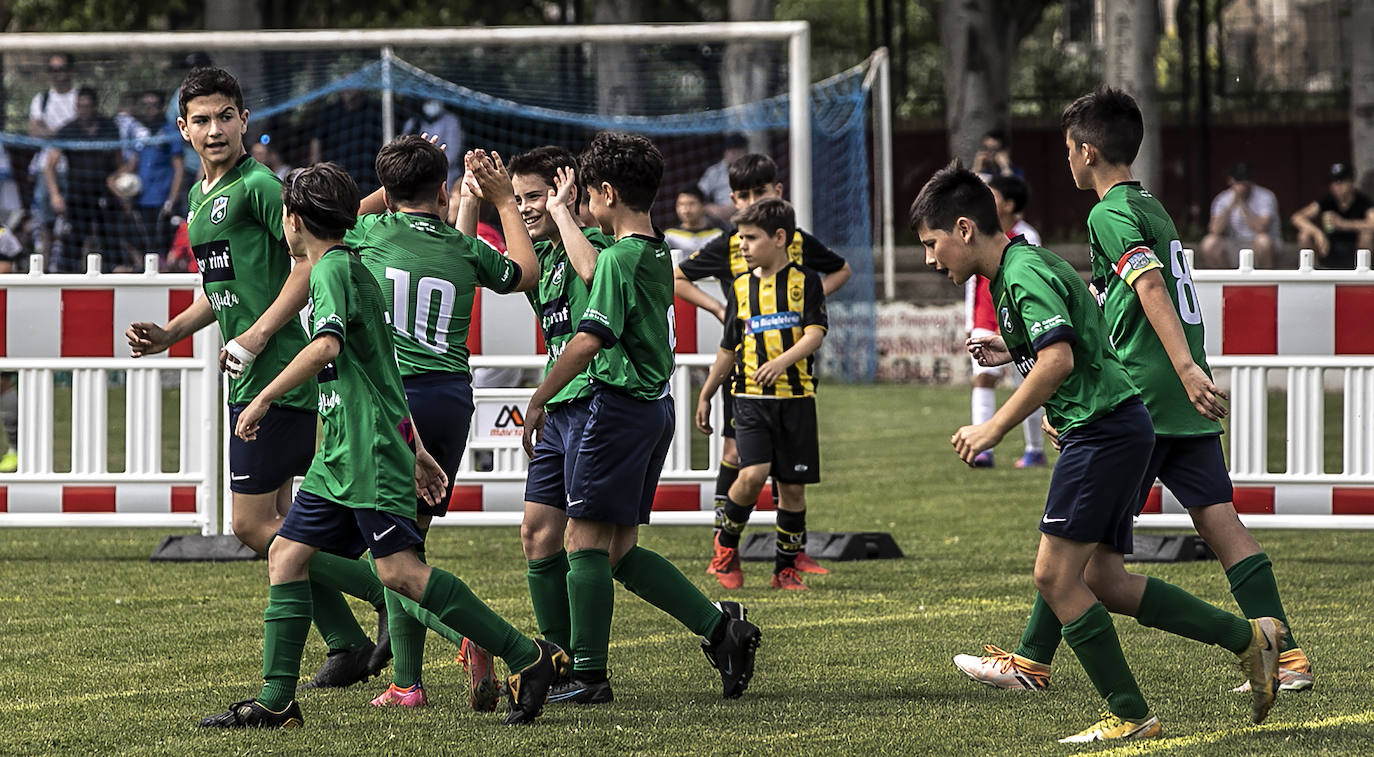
x=591, y=598
x=1092, y=637
x=335, y=619
x=1257, y=593
x=1043, y=630
x=407, y=642
x=354, y=577
x=409, y=607
x=458, y=608
x=1169, y=608
x=649, y=576
x=725, y=478
x=548, y=580
x=285, y=625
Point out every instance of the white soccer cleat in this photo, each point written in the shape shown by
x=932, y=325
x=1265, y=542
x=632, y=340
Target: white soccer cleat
x=1004, y=670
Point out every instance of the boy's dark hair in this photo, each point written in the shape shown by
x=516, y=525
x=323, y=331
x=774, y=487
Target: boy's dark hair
x=206, y=81
x=769, y=215
x=628, y=162
x=88, y=92
x=955, y=191
x=1107, y=119
x=694, y=191
x=543, y=162
x=324, y=196
x=752, y=171
x=411, y=169
x=1013, y=188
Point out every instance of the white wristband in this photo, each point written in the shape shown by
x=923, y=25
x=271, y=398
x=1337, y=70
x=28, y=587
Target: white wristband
x=239, y=359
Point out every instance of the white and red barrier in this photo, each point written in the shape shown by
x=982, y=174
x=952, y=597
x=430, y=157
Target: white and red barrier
x=1295, y=334
x=74, y=323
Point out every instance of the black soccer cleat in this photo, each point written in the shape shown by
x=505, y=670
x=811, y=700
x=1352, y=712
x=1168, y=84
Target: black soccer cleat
x=733, y=656
x=251, y=714
x=572, y=691
x=381, y=655
x=529, y=689
x=343, y=668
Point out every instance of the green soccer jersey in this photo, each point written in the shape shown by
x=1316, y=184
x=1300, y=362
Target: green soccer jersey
x=559, y=302
x=630, y=307
x=1041, y=300
x=1130, y=233
x=429, y=273
x=363, y=461
x=235, y=232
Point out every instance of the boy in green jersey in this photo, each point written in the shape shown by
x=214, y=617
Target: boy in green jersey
x=360, y=491
x=254, y=294
x=429, y=274
x=776, y=321
x=624, y=342
x=1145, y=289
x=1052, y=331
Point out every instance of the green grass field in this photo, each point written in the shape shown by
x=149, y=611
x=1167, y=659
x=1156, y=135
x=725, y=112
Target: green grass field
x=105, y=653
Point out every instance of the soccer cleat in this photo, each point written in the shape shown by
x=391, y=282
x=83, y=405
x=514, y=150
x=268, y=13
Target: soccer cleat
x=342, y=668
x=573, y=691
x=483, y=690
x=788, y=579
x=1004, y=670
x=1295, y=673
x=1260, y=662
x=9, y=462
x=529, y=689
x=805, y=564
x=250, y=714
x=395, y=696
x=983, y=459
x=1034, y=459
x=734, y=655
x=1112, y=727
x=725, y=566
x=381, y=653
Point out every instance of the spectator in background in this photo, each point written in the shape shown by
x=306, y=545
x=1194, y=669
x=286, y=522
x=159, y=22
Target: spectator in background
x=438, y=122
x=1339, y=222
x=349, y=132
x=694, y=228
x=49, y=111
x=267, y=154
x=1244, y=215
x=715, y=183
x=994, y=159
x=157, y=158
x=91, y=210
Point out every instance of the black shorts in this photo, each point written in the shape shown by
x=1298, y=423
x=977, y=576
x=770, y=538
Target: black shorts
x=619, y=458
x=781, y=432
x=555, y=453
x=727, y=427
x=346, y=531
x=1095, y=488
x=1194, y=469
x=441, y=407
x=282, y=451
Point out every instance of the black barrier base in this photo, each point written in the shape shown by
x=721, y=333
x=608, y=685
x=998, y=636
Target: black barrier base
x=1170, y=548
x=197, y=548
x=824, y=545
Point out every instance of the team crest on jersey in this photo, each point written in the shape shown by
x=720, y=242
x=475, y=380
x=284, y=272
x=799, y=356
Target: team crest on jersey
x=557, y=278
x=219, y=209
x=795, y=293
x=1007, y=324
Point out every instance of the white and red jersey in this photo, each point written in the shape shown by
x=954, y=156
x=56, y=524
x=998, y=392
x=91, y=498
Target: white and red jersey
x=978, y=310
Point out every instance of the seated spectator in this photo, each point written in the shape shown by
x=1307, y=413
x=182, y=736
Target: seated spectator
x=1244, y=215
x=694, y=228
x=1339, y=222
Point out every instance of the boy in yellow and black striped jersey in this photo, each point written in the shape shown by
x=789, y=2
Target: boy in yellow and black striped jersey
x=774, y=323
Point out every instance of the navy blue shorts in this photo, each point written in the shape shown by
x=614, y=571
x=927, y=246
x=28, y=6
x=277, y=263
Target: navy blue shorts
x=619, y=458
x=782, y=433
x=441, y=407
x=1194, y=469
x=555, y=453
x=346, y=531
x=1095, y=488
x=283, y=449
x=727, y=426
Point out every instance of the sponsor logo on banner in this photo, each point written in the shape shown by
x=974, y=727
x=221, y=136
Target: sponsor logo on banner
x=498, y=420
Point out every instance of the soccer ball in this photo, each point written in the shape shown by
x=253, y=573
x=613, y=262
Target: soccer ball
x=127, y=185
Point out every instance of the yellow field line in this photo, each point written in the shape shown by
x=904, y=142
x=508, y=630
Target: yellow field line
x=1157, y=746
